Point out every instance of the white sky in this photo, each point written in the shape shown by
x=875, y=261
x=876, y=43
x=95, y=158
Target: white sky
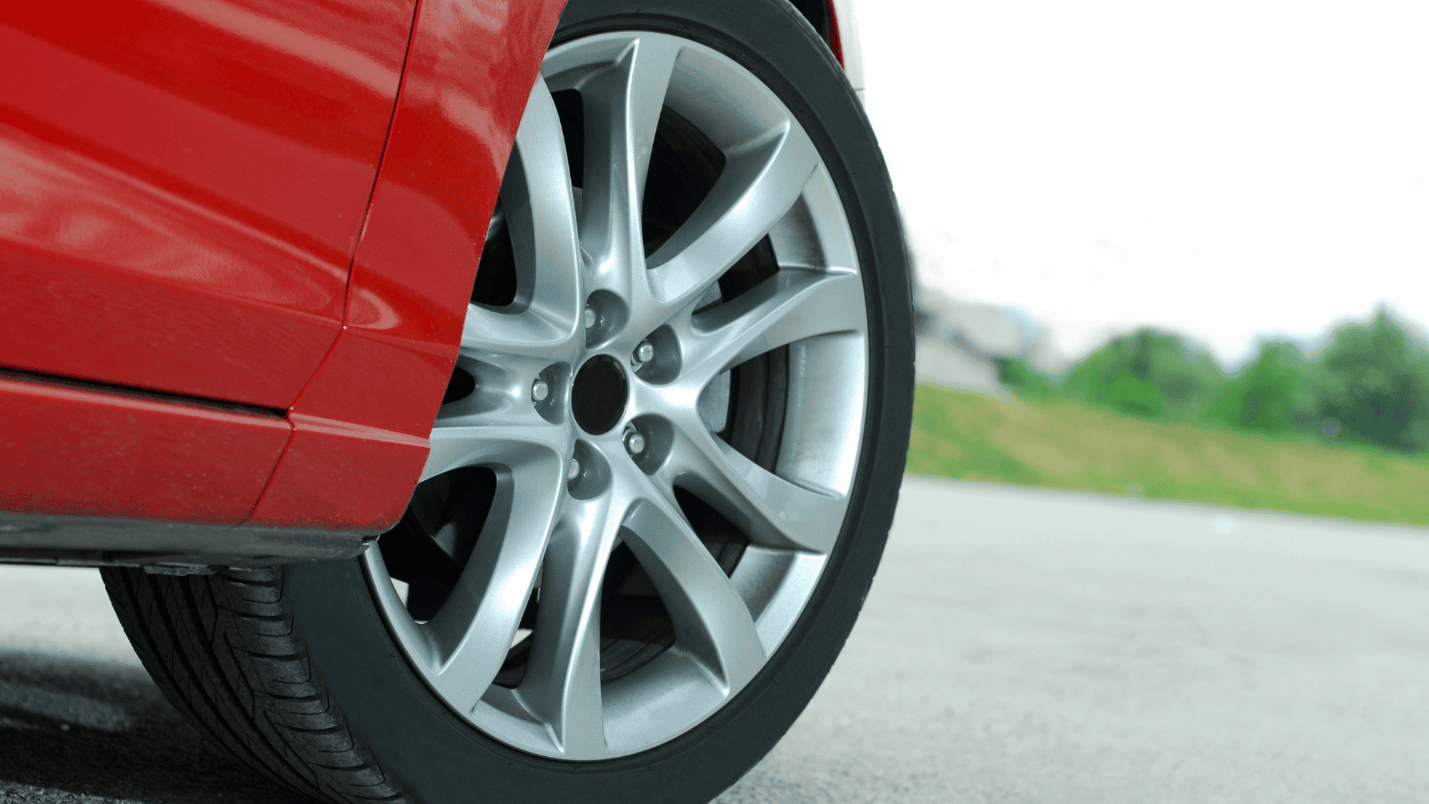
x=1223, y=169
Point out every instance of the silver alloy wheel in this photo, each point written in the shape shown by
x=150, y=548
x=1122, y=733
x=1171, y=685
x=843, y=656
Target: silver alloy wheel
x=599, y=391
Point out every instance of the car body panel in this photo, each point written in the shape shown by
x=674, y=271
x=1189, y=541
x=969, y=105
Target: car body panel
x=191, y=181
x=185, y=184
x=73, y=449
x=372, y=403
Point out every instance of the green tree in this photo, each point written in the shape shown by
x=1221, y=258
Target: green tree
x=1022, y=378
x=1147, y=373
x=1373, y=380
x=1270, y=395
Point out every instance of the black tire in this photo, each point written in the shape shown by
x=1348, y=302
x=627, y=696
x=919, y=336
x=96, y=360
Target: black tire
x=294, y=669
x=225, y=650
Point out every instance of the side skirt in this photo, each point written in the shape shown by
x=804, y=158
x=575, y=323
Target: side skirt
x=169, y=547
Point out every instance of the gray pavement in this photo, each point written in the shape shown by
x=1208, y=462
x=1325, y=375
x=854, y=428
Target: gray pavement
x=1019, y=646
x=80, y=721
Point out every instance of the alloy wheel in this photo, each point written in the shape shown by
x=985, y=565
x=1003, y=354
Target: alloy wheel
x=647, y=451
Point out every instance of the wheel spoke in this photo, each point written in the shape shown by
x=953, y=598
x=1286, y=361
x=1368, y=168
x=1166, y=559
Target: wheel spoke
x=771, y=511
x=622, y=110
x=789, y=306
x=562, y=684
x=539, y=212
x=711, y=621
x=508, y=442
x=758, y=186
x=532, y=332
x=475, y=627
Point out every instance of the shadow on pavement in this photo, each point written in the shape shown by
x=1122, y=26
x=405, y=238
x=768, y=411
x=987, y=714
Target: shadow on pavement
x=90, y=728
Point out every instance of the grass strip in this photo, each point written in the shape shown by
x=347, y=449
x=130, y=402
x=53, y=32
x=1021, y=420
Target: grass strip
x=1062, y=443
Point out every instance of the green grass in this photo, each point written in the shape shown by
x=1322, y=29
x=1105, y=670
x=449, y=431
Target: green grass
x=1065, y=444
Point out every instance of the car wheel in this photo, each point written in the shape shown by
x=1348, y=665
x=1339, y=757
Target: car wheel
x=663, y=473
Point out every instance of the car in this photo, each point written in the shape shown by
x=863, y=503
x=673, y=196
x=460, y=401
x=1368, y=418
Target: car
x=462, y=400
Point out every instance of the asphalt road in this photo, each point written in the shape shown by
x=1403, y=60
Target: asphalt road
x=1018, y=646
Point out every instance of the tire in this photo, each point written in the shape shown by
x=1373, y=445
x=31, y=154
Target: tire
x=332, y=678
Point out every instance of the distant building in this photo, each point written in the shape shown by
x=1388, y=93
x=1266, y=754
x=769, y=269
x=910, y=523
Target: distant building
x=960, y=342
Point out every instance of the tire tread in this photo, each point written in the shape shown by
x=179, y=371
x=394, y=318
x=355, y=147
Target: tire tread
x=226, y=652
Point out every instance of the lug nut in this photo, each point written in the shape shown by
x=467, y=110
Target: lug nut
x=634, y=441
x=573, y=470
x=645, y=352
x=590, y=317
x=540, y=390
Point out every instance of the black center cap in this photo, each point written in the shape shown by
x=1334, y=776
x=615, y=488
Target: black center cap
x=598, y=396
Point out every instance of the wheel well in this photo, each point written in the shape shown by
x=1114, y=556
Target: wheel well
x=818, y=15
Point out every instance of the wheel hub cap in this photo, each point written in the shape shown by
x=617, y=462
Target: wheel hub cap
x=598, y=395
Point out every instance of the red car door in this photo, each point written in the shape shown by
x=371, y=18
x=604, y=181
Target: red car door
x=182, y=184
x=185, y=189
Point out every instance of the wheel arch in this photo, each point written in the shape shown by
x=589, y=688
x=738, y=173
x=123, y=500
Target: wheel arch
x=835, y=23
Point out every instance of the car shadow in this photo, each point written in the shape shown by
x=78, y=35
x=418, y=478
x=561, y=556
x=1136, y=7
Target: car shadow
x=94, y=728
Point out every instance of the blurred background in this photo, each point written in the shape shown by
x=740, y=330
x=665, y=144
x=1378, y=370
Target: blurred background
x=1177, y=251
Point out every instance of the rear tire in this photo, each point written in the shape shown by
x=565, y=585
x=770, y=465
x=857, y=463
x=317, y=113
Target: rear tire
x=300, y=670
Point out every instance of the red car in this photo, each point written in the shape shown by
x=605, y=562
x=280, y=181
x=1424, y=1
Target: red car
x=465, y=399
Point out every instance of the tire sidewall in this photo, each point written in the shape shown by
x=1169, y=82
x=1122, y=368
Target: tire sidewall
x=434, y=754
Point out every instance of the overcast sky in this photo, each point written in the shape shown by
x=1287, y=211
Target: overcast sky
x=1226, y=170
